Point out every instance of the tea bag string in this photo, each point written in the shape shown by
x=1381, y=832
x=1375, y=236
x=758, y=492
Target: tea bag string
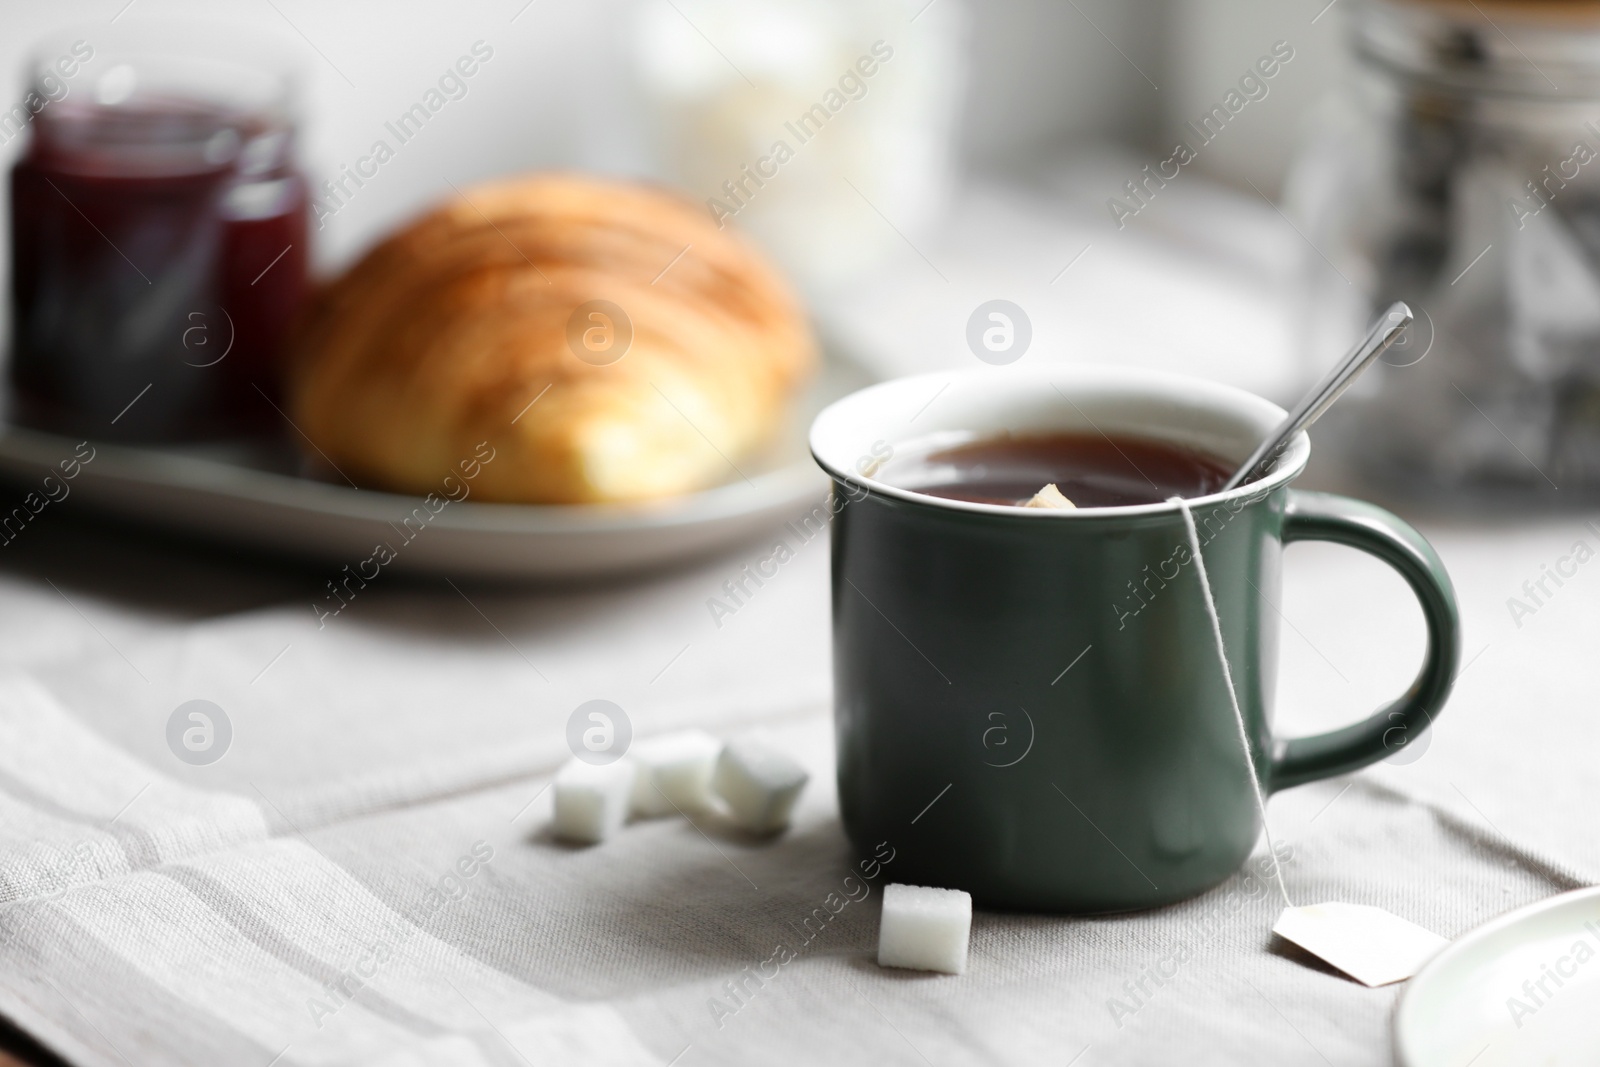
x=1227, y=677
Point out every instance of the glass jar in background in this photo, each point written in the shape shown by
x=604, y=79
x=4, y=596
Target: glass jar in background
x=159, y=241
x=1461, y=173
x=801, y=120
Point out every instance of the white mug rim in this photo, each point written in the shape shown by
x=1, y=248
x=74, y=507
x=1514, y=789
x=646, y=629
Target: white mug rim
x=826, y=445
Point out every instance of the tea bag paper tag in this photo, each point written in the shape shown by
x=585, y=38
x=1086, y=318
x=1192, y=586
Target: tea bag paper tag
x=1373, y=946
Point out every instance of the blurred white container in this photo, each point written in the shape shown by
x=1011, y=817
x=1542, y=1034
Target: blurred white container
x=822, y=127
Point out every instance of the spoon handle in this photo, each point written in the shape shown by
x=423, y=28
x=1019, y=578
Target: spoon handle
x=1384, y=332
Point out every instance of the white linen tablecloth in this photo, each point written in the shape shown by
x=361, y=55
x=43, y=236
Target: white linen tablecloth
x=366, y=875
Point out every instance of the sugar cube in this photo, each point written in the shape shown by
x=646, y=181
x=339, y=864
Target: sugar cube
x=674, y=773
x=1051, y=497
x=925, y=929
x=759, y=784
x=591, y=801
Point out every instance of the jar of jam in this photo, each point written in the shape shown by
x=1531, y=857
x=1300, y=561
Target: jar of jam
x=159, y=238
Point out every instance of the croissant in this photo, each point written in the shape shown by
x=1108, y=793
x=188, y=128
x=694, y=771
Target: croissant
x=607, y=341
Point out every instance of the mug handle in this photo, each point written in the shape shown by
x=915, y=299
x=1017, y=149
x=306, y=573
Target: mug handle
x=1312, y=516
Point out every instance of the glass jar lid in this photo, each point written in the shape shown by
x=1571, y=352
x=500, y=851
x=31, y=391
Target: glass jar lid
x=1541, y=48
x=162, y=99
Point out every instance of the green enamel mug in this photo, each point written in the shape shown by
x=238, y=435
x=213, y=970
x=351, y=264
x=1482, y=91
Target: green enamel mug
x=1029, y=703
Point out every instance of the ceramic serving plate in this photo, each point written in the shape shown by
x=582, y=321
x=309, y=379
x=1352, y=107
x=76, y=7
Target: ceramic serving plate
x=263, y=496
x=1521, y=990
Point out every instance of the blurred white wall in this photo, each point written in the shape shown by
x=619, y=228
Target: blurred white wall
x=544, y=98
x=1048, y=73
x=1211, y=43
x=1044, y=77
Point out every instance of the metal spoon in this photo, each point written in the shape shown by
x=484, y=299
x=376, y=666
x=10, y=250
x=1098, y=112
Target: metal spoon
x=1384, y=332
